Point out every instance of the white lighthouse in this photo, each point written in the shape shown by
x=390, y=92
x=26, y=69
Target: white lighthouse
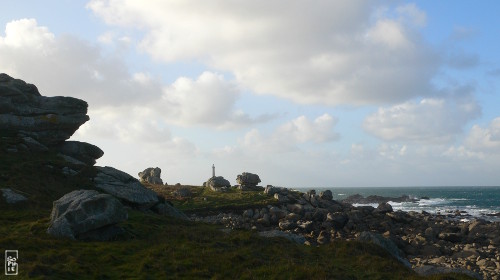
x=213, y=170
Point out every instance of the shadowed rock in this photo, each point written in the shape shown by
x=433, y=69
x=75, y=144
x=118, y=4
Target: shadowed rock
x=84, y=152
x=46, y=120
x=86, y=214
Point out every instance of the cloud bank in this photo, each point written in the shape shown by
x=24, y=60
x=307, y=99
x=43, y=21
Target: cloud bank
x=340, y=52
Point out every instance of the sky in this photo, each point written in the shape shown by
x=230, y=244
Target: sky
x=303, y=93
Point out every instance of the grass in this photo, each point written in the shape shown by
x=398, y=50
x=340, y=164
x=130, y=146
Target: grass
x=205, y=201
x=158, y=247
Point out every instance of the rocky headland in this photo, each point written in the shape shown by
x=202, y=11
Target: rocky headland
x=92, y=203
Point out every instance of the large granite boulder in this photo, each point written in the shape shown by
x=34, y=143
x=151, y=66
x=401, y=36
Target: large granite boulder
x=47, y=121
x=151, y=175
x=81, y=151
x=86, y=214
x=217, y=183
x=248, y=181
x=124, y=187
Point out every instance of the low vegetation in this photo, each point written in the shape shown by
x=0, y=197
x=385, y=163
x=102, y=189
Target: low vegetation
x=205, y=201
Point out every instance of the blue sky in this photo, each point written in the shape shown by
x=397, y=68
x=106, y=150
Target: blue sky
x=335, y=93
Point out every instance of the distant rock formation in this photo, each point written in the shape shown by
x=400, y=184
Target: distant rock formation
x=217, y=183
x=248, y=181
x=87, y=215
x=151, y=175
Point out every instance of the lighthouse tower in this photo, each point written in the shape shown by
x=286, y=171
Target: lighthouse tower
x=213, y=170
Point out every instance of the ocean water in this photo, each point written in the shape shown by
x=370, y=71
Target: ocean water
x=475, y=202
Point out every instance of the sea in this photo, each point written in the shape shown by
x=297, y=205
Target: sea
x=472, y=202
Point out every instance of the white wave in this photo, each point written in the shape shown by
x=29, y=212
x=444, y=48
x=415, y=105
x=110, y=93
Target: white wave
x=433, y=201
x=374, y=205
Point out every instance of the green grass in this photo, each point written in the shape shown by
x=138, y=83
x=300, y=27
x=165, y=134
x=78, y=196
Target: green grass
x=205, y=200
x=157, y=247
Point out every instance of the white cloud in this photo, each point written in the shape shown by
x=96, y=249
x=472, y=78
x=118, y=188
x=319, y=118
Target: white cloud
x=286, y=138
x=303, y=130
x=430, y=121
x=208, y=100
x=330, y=52
x=485, y=139
x=68, y=66
x=26, y=33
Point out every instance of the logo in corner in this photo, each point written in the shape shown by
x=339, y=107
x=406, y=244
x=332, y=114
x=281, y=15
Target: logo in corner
x=11, y=258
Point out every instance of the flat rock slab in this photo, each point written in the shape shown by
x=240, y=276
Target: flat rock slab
x=125, y=187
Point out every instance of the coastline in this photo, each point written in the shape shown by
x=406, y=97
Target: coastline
x=472, y=202
x=429, y=242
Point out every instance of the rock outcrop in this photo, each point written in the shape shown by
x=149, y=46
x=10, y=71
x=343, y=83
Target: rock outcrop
x=47, y=121
x=81, y=151
x=248, y=182
x=217, y=183
x=32, y=123
x=151, y=176
x=86, y=215
x=124, y=187
x=37, y=123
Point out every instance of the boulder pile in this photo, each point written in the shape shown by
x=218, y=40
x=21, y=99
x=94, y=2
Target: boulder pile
x=425, y=240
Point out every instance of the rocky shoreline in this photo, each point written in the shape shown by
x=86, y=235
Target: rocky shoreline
x=430, y=243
